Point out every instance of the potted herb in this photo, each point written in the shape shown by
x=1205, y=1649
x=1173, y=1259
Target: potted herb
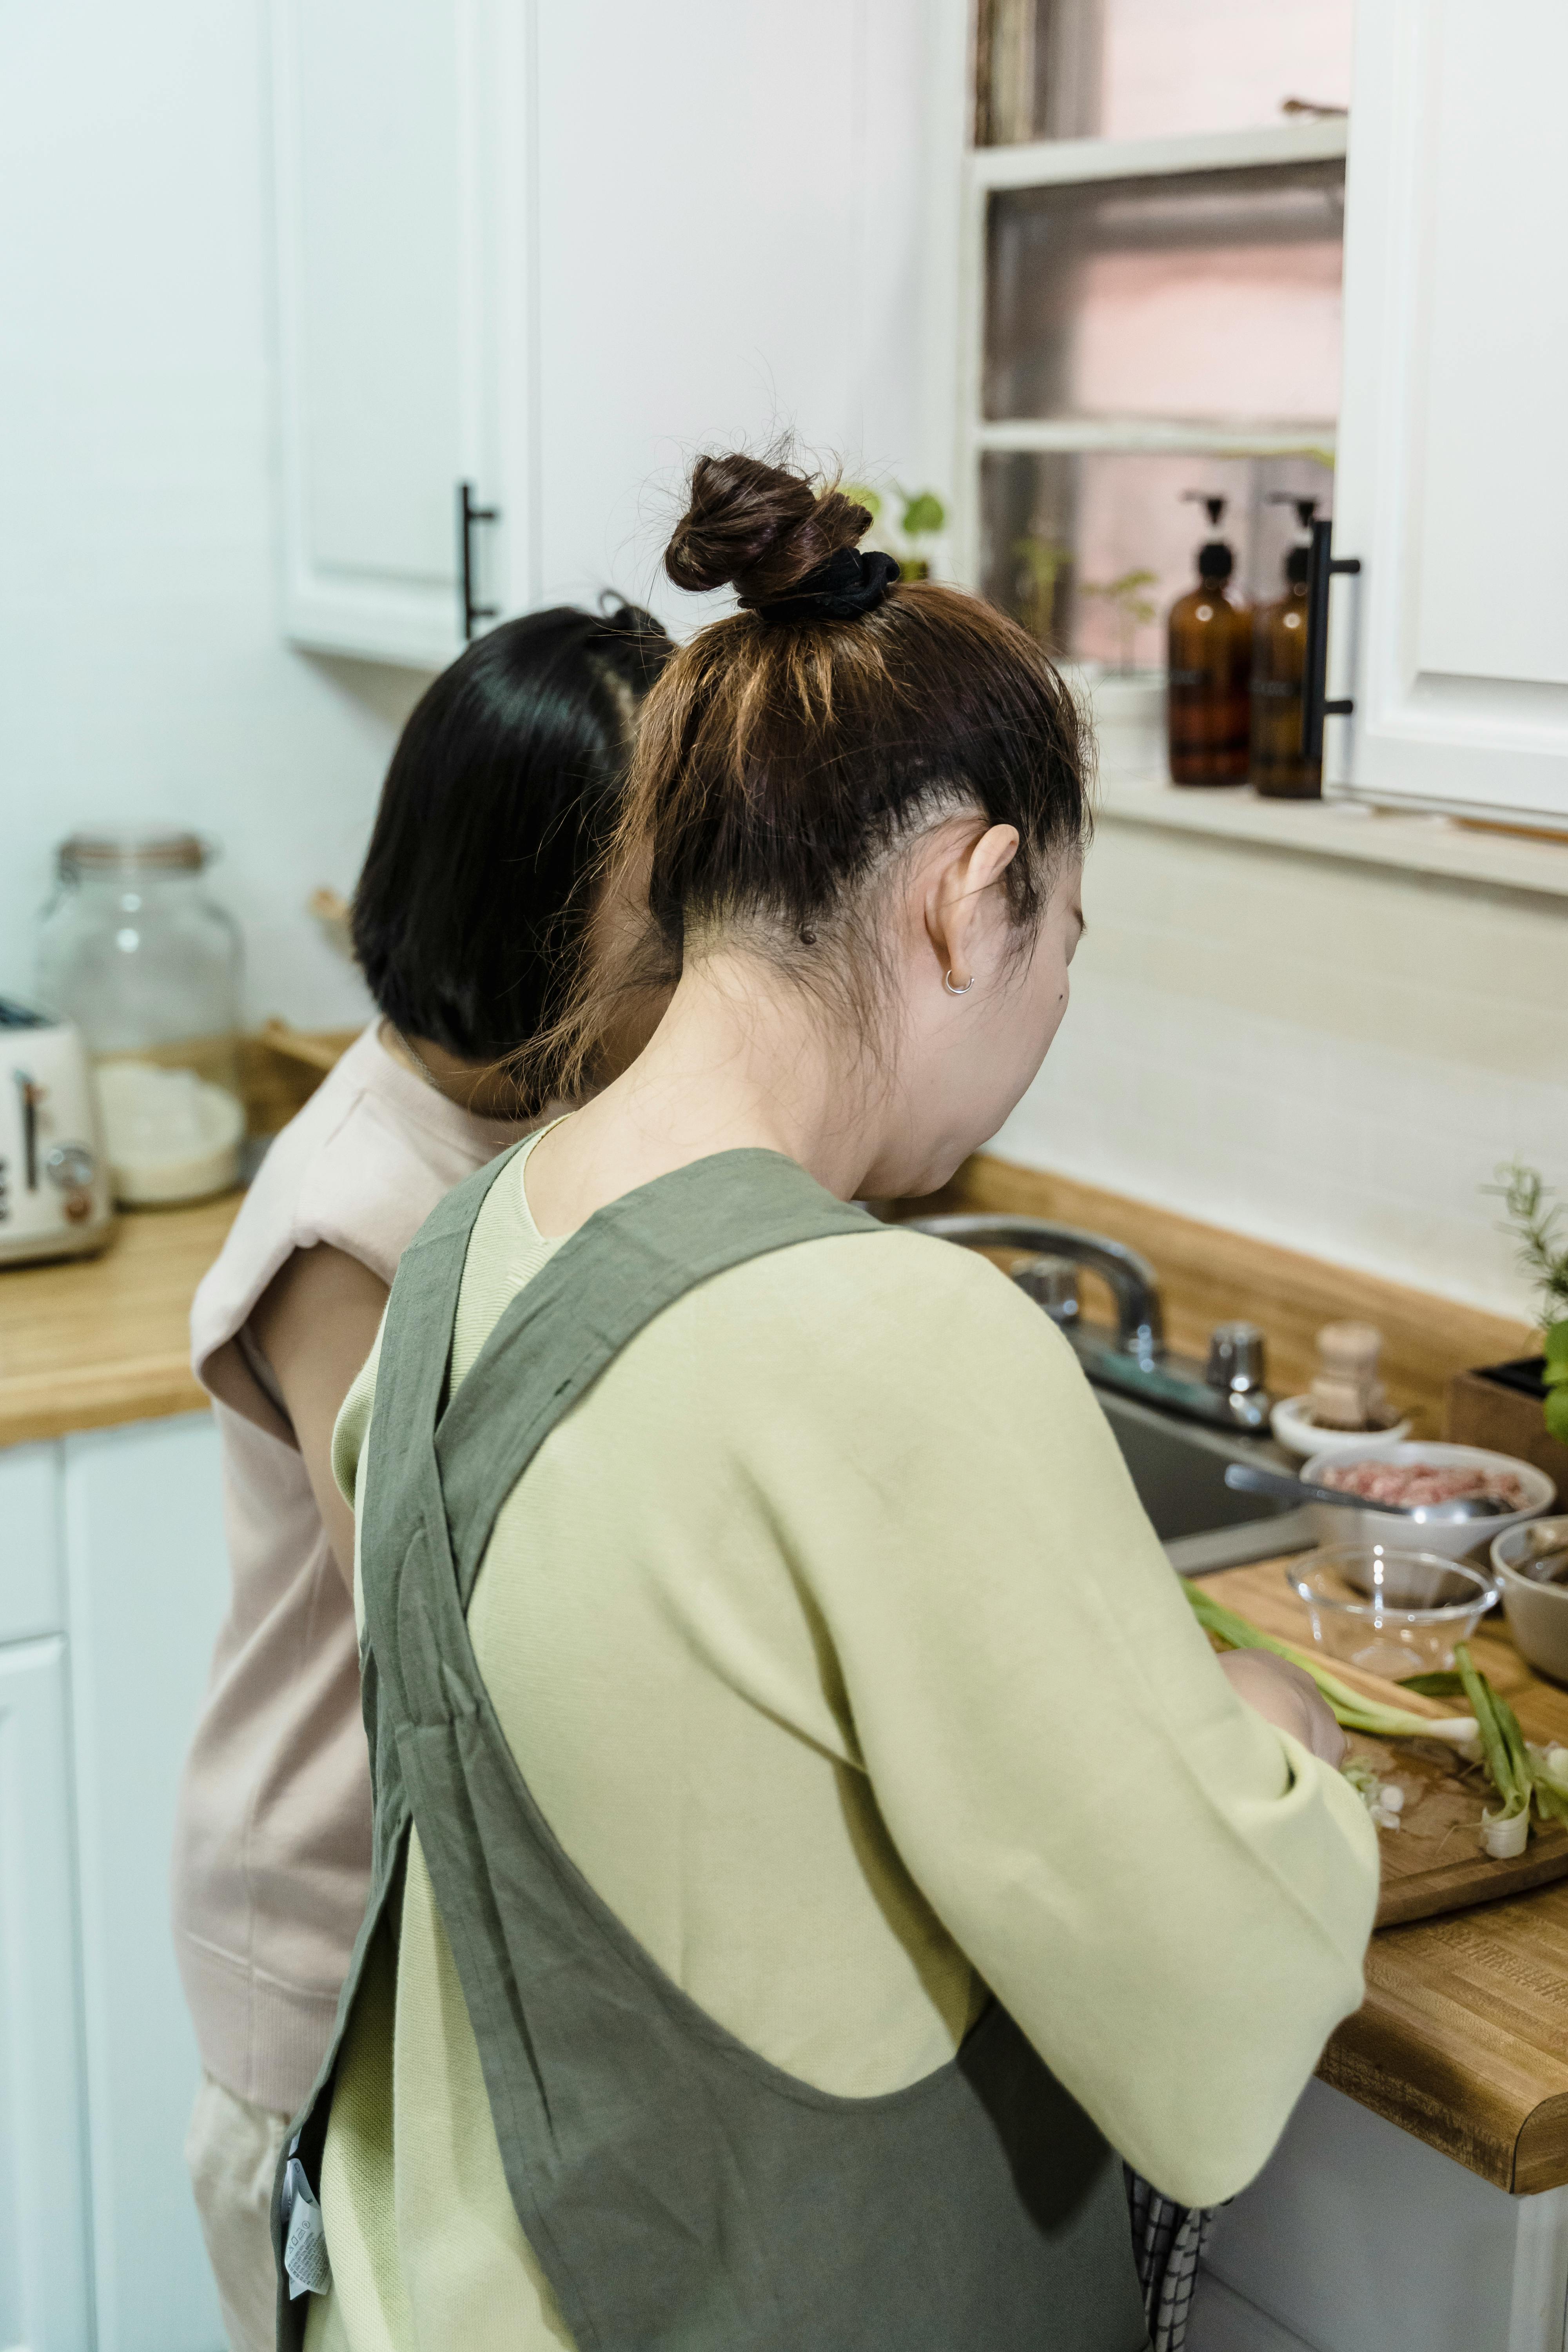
x=1535, y=1218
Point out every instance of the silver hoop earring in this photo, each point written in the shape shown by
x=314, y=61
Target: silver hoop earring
x=947, y=983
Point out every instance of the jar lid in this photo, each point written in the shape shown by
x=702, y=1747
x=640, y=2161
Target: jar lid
x=132, y=853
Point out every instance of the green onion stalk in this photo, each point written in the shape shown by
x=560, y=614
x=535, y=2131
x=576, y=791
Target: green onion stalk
x=1352, y=1708
x=1523, y=1775
x=1504, y=1833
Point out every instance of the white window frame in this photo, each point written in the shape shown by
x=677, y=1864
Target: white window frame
x=1058, y=162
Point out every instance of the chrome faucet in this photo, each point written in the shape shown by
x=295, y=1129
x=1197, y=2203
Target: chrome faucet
x=1130, y=1280
x=1133, y=1358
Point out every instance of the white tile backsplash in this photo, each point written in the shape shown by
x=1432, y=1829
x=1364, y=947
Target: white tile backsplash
x=1330, y=1056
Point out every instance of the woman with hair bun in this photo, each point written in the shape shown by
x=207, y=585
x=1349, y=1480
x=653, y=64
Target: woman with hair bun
x=498, y=807
x=812, y=1834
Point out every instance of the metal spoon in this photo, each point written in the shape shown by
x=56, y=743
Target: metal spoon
x=1247, y=1478
x=1545, y=1556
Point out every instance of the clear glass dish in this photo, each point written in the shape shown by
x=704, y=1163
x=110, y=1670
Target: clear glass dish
x=1388, y=1611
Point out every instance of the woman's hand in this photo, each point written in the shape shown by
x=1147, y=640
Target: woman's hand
x=1285, y=1697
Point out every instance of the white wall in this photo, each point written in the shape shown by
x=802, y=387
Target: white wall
x=1324, y=1053
x=141, y=675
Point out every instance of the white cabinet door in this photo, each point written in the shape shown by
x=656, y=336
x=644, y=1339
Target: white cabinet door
x=1451, y=487
x=553, y=247
x=45, y=2274
x=30, y=1600
x=147, y=1581
x=383, y=213
x=728, y=205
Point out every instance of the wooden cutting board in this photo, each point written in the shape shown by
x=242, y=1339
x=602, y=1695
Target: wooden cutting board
x=1434, y=1861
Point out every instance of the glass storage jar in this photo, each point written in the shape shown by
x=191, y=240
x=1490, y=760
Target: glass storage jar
x=137, y=952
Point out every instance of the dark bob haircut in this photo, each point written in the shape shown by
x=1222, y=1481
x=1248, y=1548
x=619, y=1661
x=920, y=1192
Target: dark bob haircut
x=502, y=795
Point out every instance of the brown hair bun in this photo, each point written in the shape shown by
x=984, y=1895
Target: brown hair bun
x=761, y=526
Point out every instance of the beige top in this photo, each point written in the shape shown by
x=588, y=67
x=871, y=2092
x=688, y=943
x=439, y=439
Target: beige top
x=272, y=1837
x=836, y=1648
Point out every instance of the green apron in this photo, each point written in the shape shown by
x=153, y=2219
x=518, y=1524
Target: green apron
x=680, y=2193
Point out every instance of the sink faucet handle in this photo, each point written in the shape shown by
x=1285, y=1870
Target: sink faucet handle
x=1236, y=1365
x=1051, y=1283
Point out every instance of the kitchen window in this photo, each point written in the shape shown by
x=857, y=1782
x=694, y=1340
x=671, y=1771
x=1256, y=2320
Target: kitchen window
x=1152, y=268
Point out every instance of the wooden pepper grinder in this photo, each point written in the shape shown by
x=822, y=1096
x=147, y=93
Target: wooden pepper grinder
x=1346, y=1392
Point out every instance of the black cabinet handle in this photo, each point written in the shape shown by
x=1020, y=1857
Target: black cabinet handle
x=468, y=514
x=1322, y=566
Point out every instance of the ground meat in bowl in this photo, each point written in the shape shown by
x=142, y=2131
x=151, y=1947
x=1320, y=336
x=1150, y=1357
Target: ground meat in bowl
x=1416, y=1486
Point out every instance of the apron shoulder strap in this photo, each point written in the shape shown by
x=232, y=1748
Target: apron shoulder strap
x=614, y=1276
x=416, y=1349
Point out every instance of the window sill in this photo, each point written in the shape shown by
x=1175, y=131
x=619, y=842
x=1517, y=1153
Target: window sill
x=1337, y=829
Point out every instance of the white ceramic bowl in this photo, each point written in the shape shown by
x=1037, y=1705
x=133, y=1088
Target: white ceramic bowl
x=1537, y=1613
x=1296, y=1430
x=1455, y=1538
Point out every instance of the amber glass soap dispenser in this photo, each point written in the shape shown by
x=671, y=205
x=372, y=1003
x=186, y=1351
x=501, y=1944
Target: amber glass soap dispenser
x=1210, y=633
x=1279, y=772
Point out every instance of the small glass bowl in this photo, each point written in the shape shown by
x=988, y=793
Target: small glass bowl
x=1390, y=1612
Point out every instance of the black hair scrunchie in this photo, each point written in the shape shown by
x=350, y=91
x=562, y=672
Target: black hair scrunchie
x=847, y=585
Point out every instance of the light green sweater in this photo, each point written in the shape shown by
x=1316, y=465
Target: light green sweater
x=836, y=1647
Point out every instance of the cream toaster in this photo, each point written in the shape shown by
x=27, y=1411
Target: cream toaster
x=55, y=1199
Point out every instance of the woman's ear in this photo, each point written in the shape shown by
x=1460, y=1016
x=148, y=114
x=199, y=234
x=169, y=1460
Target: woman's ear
x=955, y=898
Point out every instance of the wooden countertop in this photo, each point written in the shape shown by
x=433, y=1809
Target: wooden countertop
x=1463, y=2036
x=86, y=1342
x=1209, y=1275
x=89, y=1343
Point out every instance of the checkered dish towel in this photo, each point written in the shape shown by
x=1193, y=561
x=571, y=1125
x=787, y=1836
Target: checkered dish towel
x=1168, y=2244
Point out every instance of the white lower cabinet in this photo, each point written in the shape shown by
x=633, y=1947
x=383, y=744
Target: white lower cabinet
x=113, y=1579
x=146, y=1581
x=1357, y=2238
x=45, y=2282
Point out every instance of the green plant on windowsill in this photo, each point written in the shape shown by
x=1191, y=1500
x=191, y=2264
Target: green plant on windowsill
x=924, y=518
x=1130, y=610
x=1041, y=563
x=1535, y=1218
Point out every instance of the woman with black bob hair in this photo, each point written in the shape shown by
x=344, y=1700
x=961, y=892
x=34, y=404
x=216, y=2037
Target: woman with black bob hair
x=498, y=806
x=478, y=892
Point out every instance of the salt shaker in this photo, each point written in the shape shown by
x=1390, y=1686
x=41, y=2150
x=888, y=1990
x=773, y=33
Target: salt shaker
x=1346, y=1392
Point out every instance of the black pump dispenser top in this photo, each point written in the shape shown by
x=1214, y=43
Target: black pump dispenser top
x=1216, y=560
x=1298, y=562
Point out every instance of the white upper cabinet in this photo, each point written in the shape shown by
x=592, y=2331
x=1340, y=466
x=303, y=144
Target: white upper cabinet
x=552, y=248
x=384, y=205
x=1452, y=489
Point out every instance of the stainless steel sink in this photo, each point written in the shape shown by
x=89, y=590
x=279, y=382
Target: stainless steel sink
x=1178, y=1468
